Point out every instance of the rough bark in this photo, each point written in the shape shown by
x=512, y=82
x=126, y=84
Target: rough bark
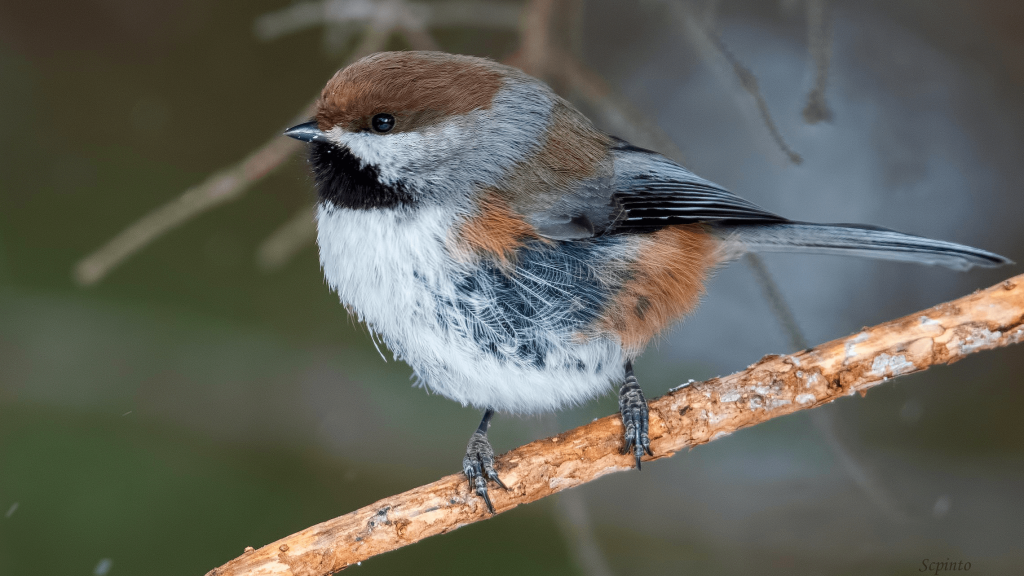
x=686, y=417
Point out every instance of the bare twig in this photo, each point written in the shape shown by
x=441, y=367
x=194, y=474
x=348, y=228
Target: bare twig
x=574, y=16
x=819, y=40
x=387, y=13
x=284, y=243
x=620, y=117
x=417, y=34
x=780, y=308
x=715, y=53
x=750, y=84
x=224, y=186
x=541, y=56
x=488, y=14
x=709, y=14
x=535, y=42
x=686, y=417
x=573, y=519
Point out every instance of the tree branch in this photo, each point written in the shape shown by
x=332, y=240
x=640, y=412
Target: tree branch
x=687, y=416
x=716, y=54
x=224, y=186
x=302, y=15
x=819, y=40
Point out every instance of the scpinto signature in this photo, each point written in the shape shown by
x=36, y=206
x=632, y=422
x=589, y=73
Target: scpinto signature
x=938, y=566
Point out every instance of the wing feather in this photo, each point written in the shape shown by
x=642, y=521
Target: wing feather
x=641, y=192
x=653, y=192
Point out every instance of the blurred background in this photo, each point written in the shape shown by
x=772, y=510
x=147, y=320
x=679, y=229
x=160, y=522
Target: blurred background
x=191, y=387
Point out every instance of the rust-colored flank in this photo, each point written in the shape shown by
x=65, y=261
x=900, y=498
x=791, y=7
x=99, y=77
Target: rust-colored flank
x=665, y=282
x=493, y=231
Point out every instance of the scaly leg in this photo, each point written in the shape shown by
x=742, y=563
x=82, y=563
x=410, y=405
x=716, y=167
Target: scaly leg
x=478, y=465
x=633, y=407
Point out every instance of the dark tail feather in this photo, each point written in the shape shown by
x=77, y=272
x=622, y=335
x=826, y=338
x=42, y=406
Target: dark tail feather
x=853, y=240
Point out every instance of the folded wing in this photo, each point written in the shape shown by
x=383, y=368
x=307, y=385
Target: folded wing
x=649, y=192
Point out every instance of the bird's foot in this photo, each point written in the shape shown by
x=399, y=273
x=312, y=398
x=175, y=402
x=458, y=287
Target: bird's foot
x=633, y=407
x=478, y=465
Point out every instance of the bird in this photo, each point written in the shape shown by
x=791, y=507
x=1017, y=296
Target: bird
x=518, y=258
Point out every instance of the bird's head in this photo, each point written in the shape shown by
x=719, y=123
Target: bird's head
x=400, y=129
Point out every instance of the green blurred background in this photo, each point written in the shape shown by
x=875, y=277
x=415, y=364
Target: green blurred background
x=193, y=403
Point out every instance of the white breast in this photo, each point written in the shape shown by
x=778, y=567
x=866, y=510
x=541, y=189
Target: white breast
x=392, y=268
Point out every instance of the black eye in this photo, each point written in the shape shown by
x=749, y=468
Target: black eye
x=382, y=122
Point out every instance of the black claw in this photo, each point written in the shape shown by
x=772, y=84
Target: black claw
x=494, y=477
x=482, y=491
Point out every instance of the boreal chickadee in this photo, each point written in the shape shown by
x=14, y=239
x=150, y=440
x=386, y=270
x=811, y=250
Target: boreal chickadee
x=516, y=257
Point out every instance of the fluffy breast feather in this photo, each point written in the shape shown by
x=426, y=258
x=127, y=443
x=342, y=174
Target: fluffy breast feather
x=536, y=327
x=476, y=332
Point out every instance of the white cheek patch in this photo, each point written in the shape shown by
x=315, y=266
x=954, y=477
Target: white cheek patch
x=391, y=154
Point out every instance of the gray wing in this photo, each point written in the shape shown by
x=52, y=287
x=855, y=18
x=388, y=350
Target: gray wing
x=644, y=193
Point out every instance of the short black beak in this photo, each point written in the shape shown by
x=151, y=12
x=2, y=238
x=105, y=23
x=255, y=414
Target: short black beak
x=307, y=132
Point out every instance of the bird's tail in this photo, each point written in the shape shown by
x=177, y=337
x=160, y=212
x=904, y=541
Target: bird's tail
x=852, y=240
